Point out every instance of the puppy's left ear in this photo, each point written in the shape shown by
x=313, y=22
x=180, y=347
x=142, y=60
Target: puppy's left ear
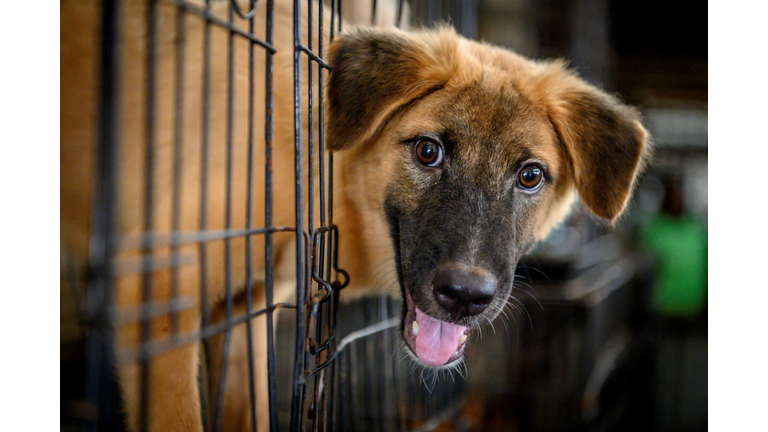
x=604, y=138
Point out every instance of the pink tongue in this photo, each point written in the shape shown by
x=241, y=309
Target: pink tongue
x=437, y=340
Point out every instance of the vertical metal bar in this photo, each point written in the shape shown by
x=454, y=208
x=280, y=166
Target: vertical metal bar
x=229, y=297
x=205, y=137
x=177, y=163
x=321, y=146
x=354, y=412
x=340, y=414
x=310, y=186
x=310, y=128
x=148, y=213
x=298, y=378
x=248, y=218
x=100, y=389
x=333, y=18
x=387, y=402
x=330, y=155
x=400, y=387
x=371, y=404
x=321, y=167
x=268, y=222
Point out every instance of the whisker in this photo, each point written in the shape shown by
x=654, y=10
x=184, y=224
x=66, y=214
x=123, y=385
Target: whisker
x=527, y=267
x=522, y=309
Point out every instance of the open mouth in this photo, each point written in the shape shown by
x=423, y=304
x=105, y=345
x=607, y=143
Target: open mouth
x=433, y=341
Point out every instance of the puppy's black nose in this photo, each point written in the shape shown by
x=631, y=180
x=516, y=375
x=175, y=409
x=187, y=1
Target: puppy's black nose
x=463, y=293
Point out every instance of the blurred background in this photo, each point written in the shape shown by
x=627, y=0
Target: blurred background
x=610, y=328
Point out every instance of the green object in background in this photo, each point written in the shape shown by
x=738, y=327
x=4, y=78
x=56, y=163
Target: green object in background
x=680, y=246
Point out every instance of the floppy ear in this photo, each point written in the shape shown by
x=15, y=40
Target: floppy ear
x=603, y=137
x=377, y=73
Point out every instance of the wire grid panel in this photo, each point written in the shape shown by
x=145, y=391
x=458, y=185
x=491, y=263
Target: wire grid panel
x=183, y=256
x=186, y=135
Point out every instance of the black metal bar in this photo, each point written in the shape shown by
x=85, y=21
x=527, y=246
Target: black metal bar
x=310, y=194
x=146, y=333
x=100, y=390
x=308, y=51
x=311, y=127
x=355, y=399
x=298, y=370
x=368, y=387
x=400, y=380
x=246, y=16
x=269, y=261
x=205, y=137
x=248, y=221
x=150, y=310
x=154, y=348
x=210, y=18
x=384, y=388
x=178, y=132
x=229, y=295
x=202, y=236
x=321, y=186
x=321, y=136
x=333, y=18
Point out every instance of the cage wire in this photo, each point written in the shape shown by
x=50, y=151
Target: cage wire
x=323, y=373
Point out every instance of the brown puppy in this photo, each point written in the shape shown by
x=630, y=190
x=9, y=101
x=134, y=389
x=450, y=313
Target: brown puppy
x=467, y=155
x=454, y=157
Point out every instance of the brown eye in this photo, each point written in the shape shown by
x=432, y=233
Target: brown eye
x=428, y=153
x=530, y=177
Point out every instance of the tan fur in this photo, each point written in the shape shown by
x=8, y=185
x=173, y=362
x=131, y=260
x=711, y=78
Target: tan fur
x=435, y=67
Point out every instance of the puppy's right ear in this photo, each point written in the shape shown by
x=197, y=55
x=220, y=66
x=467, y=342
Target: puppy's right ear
x=377, y=73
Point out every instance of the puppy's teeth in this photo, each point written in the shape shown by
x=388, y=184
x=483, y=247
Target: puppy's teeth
x=462, y=339
x=415, y=327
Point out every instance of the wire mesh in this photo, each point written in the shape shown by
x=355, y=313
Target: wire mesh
x=340, y=375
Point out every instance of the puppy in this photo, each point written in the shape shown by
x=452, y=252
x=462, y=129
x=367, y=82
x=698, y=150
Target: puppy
x=466, y=154
x=452, y=159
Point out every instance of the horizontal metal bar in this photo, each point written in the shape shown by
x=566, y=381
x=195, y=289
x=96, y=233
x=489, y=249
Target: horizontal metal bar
x=364, y=332
x=175, y=239
x=126, y=266
x=314, y=56
x=152, y=310
x=203, y=12
x=368, y=331
x=151, y=348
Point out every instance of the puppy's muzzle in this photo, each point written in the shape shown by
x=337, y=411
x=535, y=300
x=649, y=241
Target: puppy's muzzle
x=463, y=291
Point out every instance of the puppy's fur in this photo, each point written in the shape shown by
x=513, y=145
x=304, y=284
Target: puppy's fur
x=490, y=110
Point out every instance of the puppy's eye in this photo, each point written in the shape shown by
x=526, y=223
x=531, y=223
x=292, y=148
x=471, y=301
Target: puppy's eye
x=530, y=178
x=428, y=153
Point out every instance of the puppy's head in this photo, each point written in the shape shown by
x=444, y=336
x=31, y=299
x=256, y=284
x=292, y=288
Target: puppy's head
x=476, y=153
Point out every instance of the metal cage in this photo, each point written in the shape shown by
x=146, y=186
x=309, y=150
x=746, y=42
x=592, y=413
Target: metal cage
x=323, y=374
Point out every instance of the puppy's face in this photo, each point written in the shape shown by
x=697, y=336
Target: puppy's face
x=477, y=153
